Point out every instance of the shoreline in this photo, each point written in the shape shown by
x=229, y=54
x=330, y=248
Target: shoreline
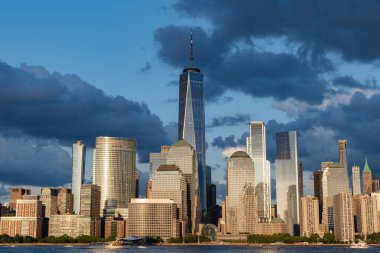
x=179, y=245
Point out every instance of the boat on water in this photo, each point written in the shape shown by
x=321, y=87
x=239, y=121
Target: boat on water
x=360, y=245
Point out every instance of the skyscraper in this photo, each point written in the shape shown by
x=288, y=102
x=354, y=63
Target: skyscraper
x=367, y=214
x=334, y=181
x=191, y=119
x=90, y=204
x=65, y=201
x=115, y=172
x=356, y=180
x=49, y=199
x=158, y=159
x=309, y=216
x=367, y=179
x=343, y=217
x=79, y=159
x=240, y=189
x=184, y=156
x=287, y=179
x=256, y=148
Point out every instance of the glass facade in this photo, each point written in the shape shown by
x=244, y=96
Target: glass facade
x=191, y=122
x=115, y=172
x=256, y=148
x=79, y=159
x=287, y=181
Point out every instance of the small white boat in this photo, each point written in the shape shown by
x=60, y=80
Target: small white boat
x=360, y=245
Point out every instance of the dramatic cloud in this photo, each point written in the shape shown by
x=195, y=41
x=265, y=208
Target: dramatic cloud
x=30, y=161
x=65, y=108
x=235, y=120
x=229, y=141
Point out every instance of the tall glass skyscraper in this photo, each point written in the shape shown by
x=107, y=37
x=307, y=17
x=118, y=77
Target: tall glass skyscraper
x=256, y=148
x=79, y=159
x=114, y=170
x=287, y=179
x=191, y=119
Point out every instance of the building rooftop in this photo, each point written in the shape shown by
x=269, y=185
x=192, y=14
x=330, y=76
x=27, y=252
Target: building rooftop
x=239, y=154
x=366, y=167
x=181, y=143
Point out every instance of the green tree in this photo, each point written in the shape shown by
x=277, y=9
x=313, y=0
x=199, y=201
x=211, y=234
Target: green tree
x=314, y=238
x=329, y=238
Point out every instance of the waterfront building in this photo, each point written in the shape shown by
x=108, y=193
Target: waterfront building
x=275, y=226
x=367, y=215
x=78, y=170
x=114, y=227
x=256, y=149
x=16, y=194
x=334, y=181
x=90, y=201
x=115, y=172
x=367, y=179
x=169, y=183
x=153, y=218
x=27, y=222
x=49, y=199
x=309, y=217
x=343, y=217
x=191, y=120
x=65, y=201
x=356, y=180
x=184, y=156
x=74, y=225
x=158, y=159
x=240, y=191
x=287, y=180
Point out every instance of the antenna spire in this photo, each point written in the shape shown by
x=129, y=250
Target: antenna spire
x=191, y=48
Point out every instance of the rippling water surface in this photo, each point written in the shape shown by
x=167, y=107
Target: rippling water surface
x=187, y=249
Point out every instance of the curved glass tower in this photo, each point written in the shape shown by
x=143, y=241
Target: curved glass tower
x=191, y=119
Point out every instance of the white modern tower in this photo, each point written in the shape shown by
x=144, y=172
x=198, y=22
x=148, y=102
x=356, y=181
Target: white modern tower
x=287, y=181
x=79, y=159
x=256, y=148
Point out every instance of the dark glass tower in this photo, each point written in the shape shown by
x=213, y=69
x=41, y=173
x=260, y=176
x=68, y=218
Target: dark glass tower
x=191, y=119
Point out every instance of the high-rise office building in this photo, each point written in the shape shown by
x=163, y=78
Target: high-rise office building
x=191, y=119
x=367, y=179
x=334, y=181
x=158, y=159
x=240, y=187
x=184, y=156
x=309, y=216
x=367, y=215
x=90, y=201
x=343, y=217
x=356, y=181
x=65, y=201
x=168, y=182
x=375, y=184
x=16, y=194
x=300, y=179
x=115, y=172
x=49, y=199
x=256, y=148
x=287, y=179
x=79, y=160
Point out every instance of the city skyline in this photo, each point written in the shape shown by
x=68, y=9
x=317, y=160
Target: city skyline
x=237, y=90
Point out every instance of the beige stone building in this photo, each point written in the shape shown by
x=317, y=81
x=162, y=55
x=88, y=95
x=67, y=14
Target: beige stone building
x=366, y=215
x=367, y=179
x=49, y=199
x=343, y=217
x=27, y=222
x=169, y=183
x=153, y=218
x=309, y=217
x=74, y=225
x=276, y=226
x=158, y=159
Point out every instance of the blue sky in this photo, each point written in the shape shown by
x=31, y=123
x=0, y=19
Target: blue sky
x=258, y=63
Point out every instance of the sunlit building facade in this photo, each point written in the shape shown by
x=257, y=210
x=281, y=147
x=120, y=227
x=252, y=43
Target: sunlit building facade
x=356, y=189
x=287, y=179
x=343, y=217
x=256, y=148
x=367, y=179
x=78, y=170
x=114, y=170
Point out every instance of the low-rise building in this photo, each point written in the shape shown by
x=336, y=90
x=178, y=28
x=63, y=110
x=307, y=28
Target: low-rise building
x=74, y=225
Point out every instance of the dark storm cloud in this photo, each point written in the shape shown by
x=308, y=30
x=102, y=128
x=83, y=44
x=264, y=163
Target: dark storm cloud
x=260, y=74
x=235, y=120
x=229, y=141
x=30, y=161
x=347, y=27
x=350, y=82
x=63, y=107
